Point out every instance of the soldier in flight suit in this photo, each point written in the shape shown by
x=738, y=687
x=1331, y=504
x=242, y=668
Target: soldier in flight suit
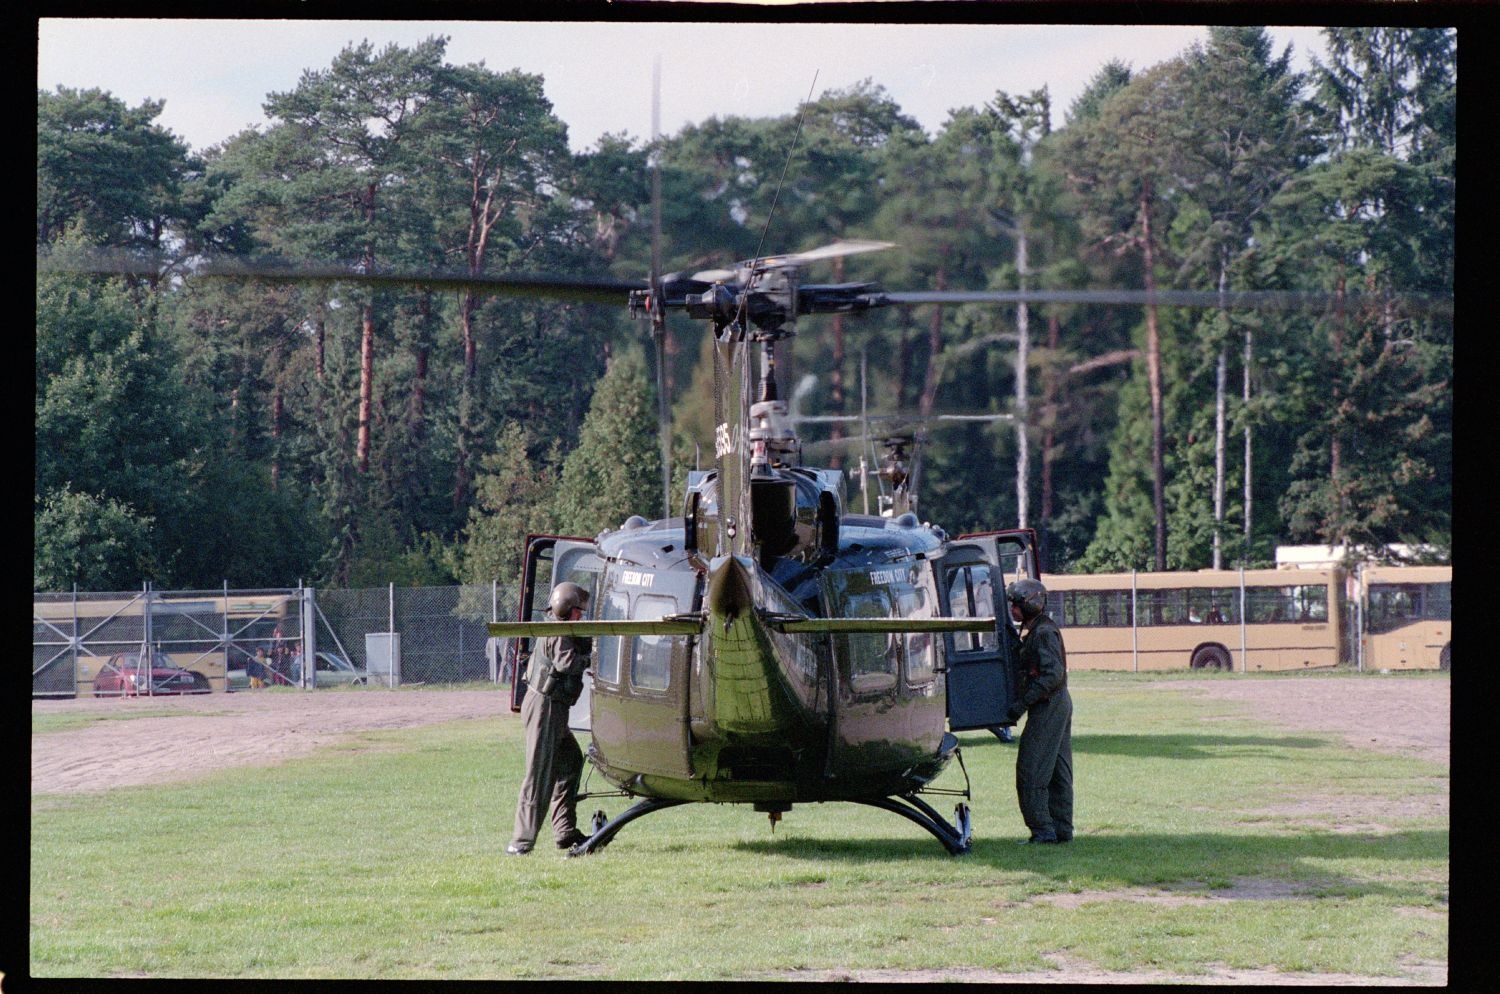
x=1044, y=762
x=554, y=762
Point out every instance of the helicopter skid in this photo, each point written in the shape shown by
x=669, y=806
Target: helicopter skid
x=956, y=838
x=604, y=833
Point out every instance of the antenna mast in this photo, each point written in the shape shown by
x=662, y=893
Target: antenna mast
x=658, y=311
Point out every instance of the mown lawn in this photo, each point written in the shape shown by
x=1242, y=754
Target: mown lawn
x=1191, y=857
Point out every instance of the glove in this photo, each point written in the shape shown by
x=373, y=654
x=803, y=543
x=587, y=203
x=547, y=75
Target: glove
x=1014, y=714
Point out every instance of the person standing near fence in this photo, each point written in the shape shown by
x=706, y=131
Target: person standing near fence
x=256, y=670
x=1044, y=761
x=554, y=761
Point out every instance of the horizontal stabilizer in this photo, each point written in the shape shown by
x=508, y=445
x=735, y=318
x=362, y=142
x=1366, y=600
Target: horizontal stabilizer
x=682, y=625
x=858, y=625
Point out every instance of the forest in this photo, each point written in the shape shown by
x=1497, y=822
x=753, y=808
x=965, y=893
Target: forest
x=193, y=431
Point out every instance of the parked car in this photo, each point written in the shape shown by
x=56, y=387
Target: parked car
x=124, y=676
x=238, y=677
x=329, y=671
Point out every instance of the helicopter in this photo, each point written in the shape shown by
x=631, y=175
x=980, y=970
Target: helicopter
x=769, y=645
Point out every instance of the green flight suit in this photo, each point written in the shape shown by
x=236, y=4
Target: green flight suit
x=1044, y=760
x=554, y=761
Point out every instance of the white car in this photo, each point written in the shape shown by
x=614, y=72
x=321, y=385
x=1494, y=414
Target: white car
x=329, y=671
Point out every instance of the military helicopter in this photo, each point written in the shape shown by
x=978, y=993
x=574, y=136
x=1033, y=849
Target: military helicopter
x=769, y=645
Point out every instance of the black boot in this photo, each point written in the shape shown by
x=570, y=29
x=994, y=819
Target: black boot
x=571, y=839
x=1046, y=835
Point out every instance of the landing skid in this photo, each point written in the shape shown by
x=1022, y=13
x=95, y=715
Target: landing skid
x=604, y=831
x=956, y=839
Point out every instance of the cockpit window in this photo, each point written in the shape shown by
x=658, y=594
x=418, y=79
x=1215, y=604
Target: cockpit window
x=651, y=655
x=919, y=648
x=607, y=659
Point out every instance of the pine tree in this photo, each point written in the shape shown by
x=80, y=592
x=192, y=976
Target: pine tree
x=615, y=471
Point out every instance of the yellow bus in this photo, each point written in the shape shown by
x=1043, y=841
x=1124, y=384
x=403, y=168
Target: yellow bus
x=93, y=644
x=1244, y=620
x=1407, y=617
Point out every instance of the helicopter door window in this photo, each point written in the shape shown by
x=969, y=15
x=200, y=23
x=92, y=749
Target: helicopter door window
x=651, y=655
x=607, y=651
x=971, y=595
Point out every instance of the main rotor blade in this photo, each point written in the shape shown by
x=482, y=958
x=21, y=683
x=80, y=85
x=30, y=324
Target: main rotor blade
x=848, y=246
x=1269, y=300
x=543, y=285
x=852, y=246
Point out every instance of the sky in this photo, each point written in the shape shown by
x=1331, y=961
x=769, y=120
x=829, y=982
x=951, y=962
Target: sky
x=215, y=74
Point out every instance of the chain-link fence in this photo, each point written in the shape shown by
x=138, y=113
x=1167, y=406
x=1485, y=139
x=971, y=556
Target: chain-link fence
x=168, y=642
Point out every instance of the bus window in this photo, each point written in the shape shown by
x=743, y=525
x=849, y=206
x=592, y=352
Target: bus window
x=1213, y=605
x=1162, y=607
x=651, y=655
x=1438, y=602
x=1265, y=605
x=1089, y=608
x=1393, y=605
x=1311, y=603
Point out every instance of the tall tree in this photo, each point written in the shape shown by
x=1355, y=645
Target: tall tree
x=115, y=432
x=1122, y=163
x=615, y=471
x=332, y=156
x=107, y=170
x=1373, y=461
x=1252, y=134
x=499, y=153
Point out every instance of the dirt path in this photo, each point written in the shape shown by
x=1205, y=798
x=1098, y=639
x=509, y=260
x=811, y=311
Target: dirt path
x=1403, y=714
x=184, y=736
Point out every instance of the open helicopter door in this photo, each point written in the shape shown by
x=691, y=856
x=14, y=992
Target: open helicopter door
x=981, y=670
x=551, y=559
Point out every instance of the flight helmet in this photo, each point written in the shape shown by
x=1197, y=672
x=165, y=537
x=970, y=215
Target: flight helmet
x=1029, y=594
x=565, y=597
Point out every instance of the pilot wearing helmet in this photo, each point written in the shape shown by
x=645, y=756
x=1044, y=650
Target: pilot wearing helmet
x=1044, y=761
x=554, y=761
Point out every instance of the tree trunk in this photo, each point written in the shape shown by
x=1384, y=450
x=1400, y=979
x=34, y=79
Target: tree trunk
x=1049, y=441
x=903, y=359
x=1221, y=374
x=419, y=377
x=1023, y=349
x=836, y=377
x=366, y=347
x=1249, y=510
x=366, y=384
x=1153, y=381
x=466, y=326
x=928, y=399
x=1335, y=445
x=277, y=409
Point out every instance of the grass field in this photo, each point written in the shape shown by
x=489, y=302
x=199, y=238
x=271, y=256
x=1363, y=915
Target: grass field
x=1198, y=852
